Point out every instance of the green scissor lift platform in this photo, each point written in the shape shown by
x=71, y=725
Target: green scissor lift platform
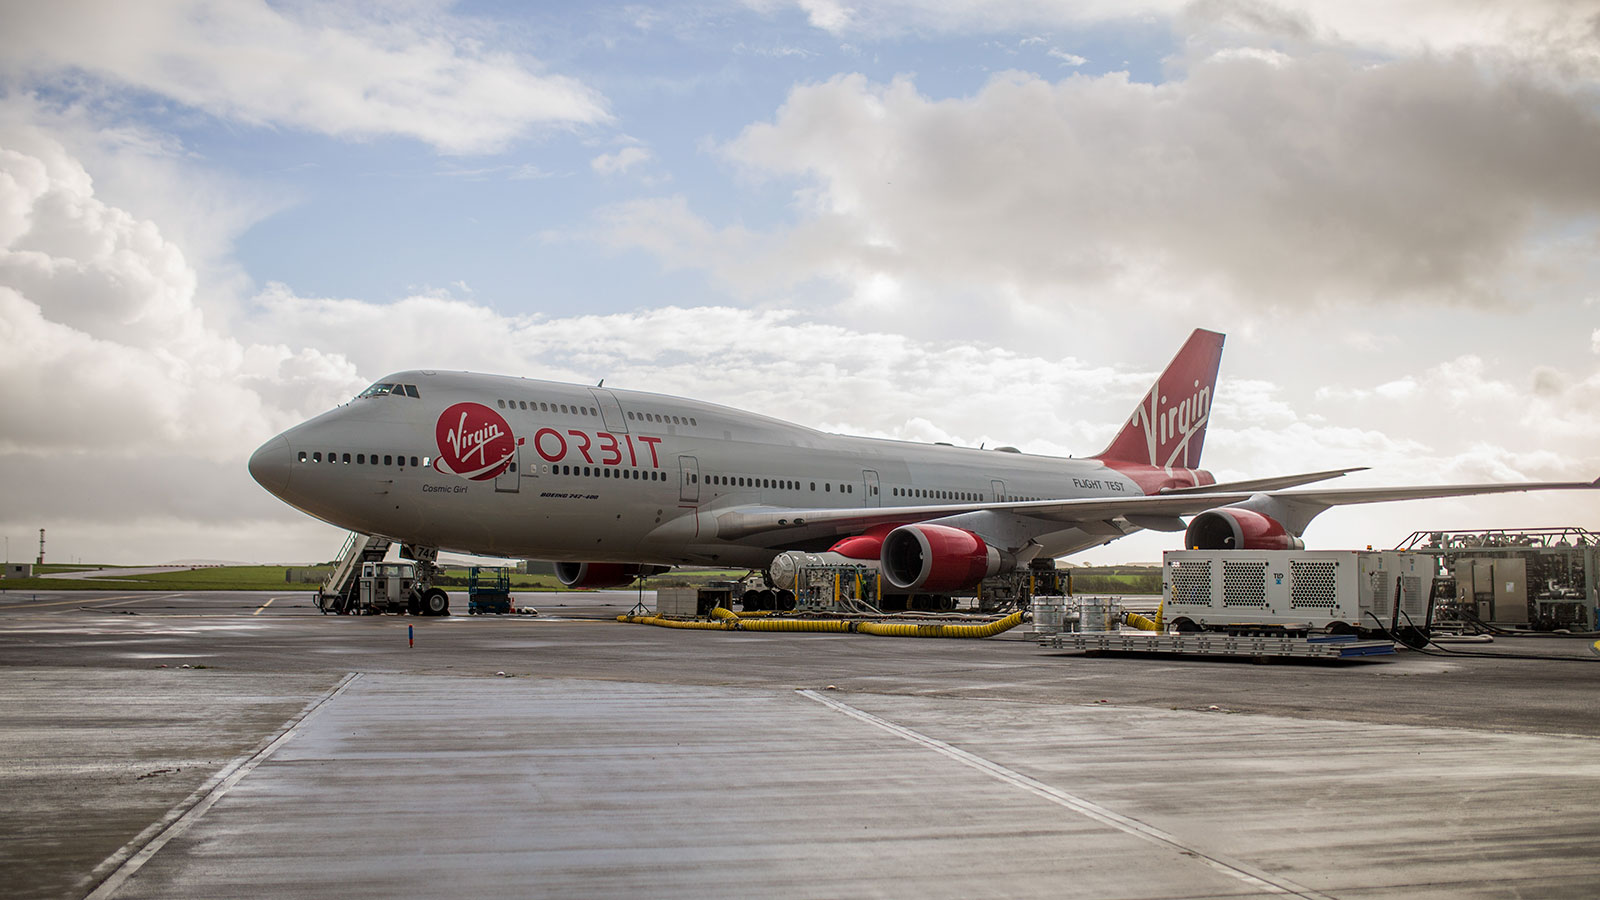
x=488, y=590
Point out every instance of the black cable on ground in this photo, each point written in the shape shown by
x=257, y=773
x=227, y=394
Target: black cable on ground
x=1447, y=652
x=1507, y=632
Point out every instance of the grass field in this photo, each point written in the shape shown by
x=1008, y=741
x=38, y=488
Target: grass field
x=271, y=578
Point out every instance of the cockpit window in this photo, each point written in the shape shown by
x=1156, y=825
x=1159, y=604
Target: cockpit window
x=384, y=388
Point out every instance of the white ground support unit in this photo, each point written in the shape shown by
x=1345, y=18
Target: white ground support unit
x=1296, y=591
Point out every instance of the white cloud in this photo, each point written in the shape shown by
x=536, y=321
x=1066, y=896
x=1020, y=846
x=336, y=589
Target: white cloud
x=619, y=162
x=1558, y=32
x=332, y=69
x=1410, y=184
x=1067, y=59
x=108, y=351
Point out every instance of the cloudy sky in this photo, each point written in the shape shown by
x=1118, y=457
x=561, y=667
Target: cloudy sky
x=925, y=219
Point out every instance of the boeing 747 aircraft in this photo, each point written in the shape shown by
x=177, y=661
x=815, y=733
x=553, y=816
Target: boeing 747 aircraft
x=613, y=483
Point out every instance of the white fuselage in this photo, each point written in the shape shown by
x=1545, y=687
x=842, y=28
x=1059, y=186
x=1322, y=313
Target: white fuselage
x=605, y=475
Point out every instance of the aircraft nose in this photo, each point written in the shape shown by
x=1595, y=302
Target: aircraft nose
x=269, y=465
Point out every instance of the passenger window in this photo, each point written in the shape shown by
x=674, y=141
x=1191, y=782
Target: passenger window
x=347, y=459
x=813, y=485
x=388, y=460
x=413, y=461
x=827, y=487
x=502, y=403
x=563, y=407
x=693, y=422
x=361, y=459
x=317, y=456
x=630, y=414
x=302, y=456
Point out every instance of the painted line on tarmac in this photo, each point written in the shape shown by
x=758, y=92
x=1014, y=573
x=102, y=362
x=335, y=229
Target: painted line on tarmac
x=263, y=606
x=76, y=600
x=101, y=604
x=133, y=855
x=1250, y=875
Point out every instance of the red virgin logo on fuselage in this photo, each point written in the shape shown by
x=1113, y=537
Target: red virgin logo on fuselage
x=474, y=442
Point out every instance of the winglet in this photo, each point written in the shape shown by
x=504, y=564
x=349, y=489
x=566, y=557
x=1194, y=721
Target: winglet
x=1168, y=427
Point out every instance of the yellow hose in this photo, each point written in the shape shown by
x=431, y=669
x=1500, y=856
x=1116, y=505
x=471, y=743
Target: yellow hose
x=1140, y=622
x=830, y=626
x=674, y=623
x=730, y=621
x=942, y=631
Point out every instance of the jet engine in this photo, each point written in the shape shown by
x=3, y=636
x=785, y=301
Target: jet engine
x=935, y=558
x=1236, y=528
x=591, y=576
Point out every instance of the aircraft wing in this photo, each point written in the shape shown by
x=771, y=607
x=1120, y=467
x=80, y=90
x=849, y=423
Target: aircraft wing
x=1157, y=512
x=1276, y=483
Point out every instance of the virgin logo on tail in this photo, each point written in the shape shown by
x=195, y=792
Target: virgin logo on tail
x=1172, y=427
x=474, y=442
x=1168, y=427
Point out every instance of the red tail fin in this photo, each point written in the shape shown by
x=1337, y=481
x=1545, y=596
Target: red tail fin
x=1168, y=428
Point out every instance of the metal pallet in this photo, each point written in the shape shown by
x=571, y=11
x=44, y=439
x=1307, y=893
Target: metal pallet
x=1217, y=644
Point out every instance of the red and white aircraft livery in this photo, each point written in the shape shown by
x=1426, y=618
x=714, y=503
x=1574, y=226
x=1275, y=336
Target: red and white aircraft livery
x=612, y=483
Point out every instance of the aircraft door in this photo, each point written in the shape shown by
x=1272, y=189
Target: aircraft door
x=869, y=484
x=510, y=481
x=610, y=410
x=688, y=479
x=999, y=490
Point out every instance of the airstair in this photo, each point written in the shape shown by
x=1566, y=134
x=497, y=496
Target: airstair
x=339, y=592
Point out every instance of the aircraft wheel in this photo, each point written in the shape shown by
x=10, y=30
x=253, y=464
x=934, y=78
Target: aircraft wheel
x=751, y=600
x=768, y=599
x=435, y=603
x=786, y=599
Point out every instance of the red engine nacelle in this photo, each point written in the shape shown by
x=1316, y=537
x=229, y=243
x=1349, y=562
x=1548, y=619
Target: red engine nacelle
x=591, y=576
x=937, y=558
x=866, y=545
x=1232, y=528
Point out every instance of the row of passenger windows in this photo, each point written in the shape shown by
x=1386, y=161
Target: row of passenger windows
x=576, y=410
x=604, y=472
x=536, y=406
x=782, y=484
x=934, y=494
x=361, y=459
x=662, y=418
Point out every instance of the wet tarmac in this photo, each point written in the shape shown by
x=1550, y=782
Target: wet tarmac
x=571, y=755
